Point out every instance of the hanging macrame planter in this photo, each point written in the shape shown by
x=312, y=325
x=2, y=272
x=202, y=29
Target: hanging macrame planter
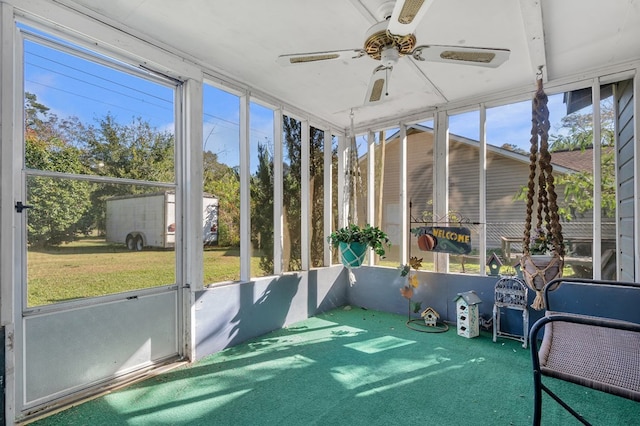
x=352, y=254
x=540, y=268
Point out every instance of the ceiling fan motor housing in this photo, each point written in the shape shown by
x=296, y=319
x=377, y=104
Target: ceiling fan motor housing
x=379, y=39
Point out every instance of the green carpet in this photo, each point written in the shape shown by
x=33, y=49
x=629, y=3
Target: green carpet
x=351, y=367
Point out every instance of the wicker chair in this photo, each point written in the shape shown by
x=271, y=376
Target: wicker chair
x=593, y=351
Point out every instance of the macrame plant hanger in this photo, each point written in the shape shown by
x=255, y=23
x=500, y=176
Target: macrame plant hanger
x=352, y=170
x=351, y=184
x=538, y=272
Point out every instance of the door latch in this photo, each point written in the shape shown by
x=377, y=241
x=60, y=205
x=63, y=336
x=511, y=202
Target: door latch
x=20, y=207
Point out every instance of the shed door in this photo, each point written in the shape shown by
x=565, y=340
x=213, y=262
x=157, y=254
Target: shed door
x=93, y=310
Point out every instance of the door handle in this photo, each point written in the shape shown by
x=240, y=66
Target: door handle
x=20, y=207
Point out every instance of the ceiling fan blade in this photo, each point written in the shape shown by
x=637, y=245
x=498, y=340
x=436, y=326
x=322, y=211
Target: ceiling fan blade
x=377, y=89
x=302, y=58
x=406, y=16
x=479, y=56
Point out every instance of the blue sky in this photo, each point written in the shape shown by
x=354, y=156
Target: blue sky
x=221, y=126
x=72, y=86
x=76, y=87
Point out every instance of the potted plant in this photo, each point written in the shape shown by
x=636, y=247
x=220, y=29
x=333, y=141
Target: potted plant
x=542, y=253
x=541, y=242
x=353, y=241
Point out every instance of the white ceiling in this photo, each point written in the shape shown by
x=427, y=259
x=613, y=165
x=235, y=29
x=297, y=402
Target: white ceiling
x=241, y=40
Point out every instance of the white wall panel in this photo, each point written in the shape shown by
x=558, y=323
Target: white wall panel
x=71, y=350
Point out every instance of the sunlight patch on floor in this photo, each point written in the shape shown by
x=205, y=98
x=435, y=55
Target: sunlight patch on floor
x=294, y=337
x=353, y=376
x=223, y=382
x=379, y=344
x=408, y=381
x=194, y=409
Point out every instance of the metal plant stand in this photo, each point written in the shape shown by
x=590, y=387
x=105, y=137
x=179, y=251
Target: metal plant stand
x=511, y=293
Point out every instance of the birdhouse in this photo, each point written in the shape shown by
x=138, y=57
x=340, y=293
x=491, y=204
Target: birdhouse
x=518, y=268
x=467, y=314
x=430, y=317
x=494, y=263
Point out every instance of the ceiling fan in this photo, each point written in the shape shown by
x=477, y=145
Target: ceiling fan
x=392, y=38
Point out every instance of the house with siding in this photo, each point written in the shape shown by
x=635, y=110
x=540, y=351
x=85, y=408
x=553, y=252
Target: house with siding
x=507, y=174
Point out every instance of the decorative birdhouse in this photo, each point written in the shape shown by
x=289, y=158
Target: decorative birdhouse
x=494, y=263
x=430, y=317
x=467, y=314
x=518, y=268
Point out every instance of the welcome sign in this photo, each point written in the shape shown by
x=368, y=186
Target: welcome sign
x=444, y=239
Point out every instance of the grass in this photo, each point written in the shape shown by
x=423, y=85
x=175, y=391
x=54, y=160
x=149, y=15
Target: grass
x=470, y=266
x=92, y=267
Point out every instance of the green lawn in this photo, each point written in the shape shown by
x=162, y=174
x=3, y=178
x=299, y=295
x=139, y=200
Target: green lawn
x=470, y=266
x=92, y=267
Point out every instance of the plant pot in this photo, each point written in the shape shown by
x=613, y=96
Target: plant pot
x=352, y=254
x=538, y=270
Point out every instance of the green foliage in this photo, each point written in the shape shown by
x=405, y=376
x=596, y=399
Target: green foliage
x=59, y=204
x=132, y=151
x=541, y=242
x=66, y=208
x=224, y=182
x=580, y=130
x=369, y=235
x=316, y=196
x=292, y=202
x=578, y=186
x=262, y=208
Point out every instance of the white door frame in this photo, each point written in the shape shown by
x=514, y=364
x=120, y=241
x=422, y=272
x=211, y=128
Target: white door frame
x=12, y=225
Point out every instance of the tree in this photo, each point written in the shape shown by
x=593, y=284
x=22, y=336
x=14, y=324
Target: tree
x=133, y=151
x=292, y=181
x=579, y=186
x=224, y=182
x=66, y=208
x=130, y=151
x=579, y=130
x=60, y=204
x=316, y=196
x=262, y=208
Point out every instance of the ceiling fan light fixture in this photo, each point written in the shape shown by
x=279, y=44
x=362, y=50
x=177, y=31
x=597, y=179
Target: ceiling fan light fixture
x=389, y=56
x=482, y=57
